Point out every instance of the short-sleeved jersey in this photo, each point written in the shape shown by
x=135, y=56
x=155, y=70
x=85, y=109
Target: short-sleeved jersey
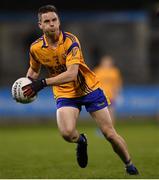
x=56, y=60
x=110, y=79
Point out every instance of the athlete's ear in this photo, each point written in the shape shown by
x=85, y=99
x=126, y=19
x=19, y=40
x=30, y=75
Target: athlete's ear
x=39, y=24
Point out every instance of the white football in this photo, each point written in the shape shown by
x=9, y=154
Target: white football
x=17, y=92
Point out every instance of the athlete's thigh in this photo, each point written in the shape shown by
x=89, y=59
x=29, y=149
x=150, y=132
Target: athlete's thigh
x=67, y=117
x=103, y=118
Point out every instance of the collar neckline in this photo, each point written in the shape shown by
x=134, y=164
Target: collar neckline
x=60, y=40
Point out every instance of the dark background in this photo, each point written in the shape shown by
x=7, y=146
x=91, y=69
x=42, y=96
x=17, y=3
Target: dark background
x=30, y=5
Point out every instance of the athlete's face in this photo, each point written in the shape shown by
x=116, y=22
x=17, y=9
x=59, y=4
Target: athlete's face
x=49, y=23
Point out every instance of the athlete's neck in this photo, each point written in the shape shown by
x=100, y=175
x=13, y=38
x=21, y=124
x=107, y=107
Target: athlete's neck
x=53, y=39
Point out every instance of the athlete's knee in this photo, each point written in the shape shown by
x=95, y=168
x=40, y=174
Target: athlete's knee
x=111, y=137
x=68, y=134
x=110, y=134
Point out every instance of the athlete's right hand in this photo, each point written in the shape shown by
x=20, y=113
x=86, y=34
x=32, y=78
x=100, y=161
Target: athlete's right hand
x=33, y=88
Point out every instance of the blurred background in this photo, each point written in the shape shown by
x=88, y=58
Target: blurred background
x=126, y=32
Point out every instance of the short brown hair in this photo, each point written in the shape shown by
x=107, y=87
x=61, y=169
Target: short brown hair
x=45, y=9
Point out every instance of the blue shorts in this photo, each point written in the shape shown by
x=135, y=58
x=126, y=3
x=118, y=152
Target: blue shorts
x=93, y=101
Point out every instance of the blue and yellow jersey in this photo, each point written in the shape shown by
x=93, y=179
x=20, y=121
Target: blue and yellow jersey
x=56, y=60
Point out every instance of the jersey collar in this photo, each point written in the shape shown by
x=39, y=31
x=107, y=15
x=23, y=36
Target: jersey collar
x=62, y=38
x=45, y=44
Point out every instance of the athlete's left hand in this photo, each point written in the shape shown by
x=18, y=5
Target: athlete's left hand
x=32, y=89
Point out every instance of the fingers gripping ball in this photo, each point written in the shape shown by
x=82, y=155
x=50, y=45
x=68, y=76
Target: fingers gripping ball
x=18, y=93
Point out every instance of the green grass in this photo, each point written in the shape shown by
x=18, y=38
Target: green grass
x=38, y=151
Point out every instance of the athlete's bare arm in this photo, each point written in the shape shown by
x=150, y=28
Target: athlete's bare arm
x=31, y=73
x=67, y=76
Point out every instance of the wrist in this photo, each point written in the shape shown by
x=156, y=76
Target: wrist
x=44, y=83
x=30, y=78
x=49, y=81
